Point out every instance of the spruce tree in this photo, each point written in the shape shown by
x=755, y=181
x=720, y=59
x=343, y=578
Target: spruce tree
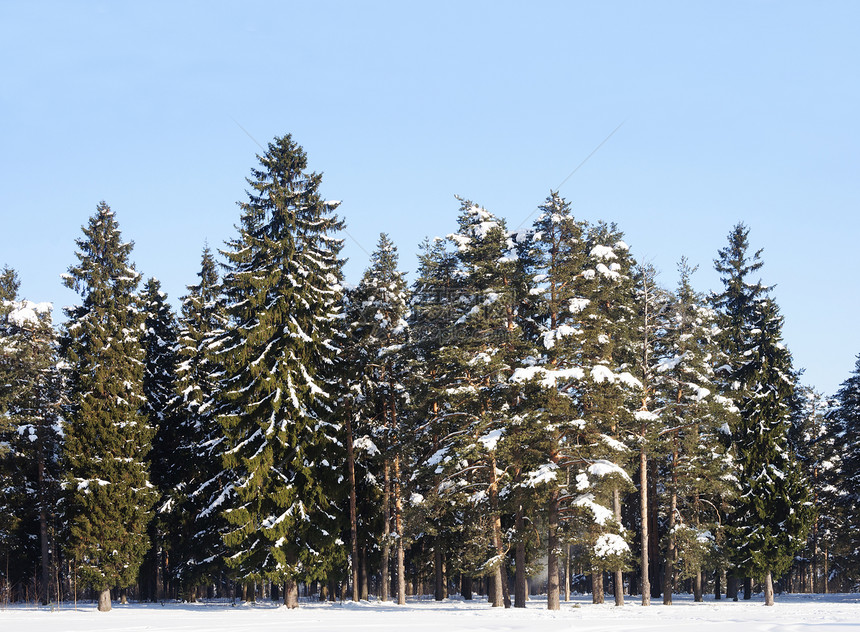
x=29, y=462
x=197, y=482
x=282, y=290
x=159, y=378
x=843, y=476
x=376, y=362
x=107, y=434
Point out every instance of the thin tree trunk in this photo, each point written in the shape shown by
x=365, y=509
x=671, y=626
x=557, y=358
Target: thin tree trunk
x=768, y=589
x=748, y=582
x=466, y=589
x=438, y=593
x=717, y=575
x=104, y=600
x=353, y=519
x=386, y=531
x=567, y=572
x=520, y=558
x=43, y=520
x=643, y=502
x=398, y=531
x=363, y=573
x=697, y=586
x=552, y=597
x=669, y=568
x=618, y=583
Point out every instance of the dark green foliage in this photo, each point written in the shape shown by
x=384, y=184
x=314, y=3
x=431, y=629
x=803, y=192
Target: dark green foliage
x=107, y=434
x=196, y=480
x=282, y=289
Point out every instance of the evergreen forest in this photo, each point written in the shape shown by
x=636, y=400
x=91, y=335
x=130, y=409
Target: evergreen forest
x=532, y=414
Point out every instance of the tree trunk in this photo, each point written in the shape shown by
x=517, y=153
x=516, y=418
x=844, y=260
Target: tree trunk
x=552, y=597
x=597, y=592
x=748, y=588
x=438, y=593
x=43, y=520
x=291, y=594
x=567, y=572
x=386, y=531
x=104, y=600
x=398, y=532
x=669, y=568
x=717, y=576
x=520, y=576
x=732, y=588
x=364, y=573
x=498, y=543
x=618, y=583
x=466, y=589
x=768, y=589
x=353, y=519
x=643, y=502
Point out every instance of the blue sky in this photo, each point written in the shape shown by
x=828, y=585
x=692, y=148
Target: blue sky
x=732, y=111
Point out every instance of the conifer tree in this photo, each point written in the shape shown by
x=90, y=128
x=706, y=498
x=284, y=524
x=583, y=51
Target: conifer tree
x=29, y=462
x=159, y=382
x=107, y=436
x=283, y=292
x=773, y=510
x=196, y=480
x=844, y=476
x=378, y=396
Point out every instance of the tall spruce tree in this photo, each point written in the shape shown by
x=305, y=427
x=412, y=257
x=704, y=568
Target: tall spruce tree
x=772, y=513
x=283, y=293
x=107, y=433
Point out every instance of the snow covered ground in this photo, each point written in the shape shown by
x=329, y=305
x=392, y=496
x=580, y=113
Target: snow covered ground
x=833, y=613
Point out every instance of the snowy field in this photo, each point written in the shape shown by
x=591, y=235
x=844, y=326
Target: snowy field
x=831, y=613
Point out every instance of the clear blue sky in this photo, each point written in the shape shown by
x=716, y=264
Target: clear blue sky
x=733, y=111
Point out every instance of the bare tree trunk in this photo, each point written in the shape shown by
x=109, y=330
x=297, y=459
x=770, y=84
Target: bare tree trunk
x=826, y=570
x=618, y=583
x=748, y=582
x=520, y=577
x=353, y=519
x=697, y=586
x=104, y=600
x=552, y=597
x=363, y=574
x=732, y=587
x=398, y=530
x=438, y=593
x=669, y=569
x=597, y=592
x=567, y=572
x=386, y=531
x=643, y=502
x=768, y=589
x=43, y=520
x=466, y=587
x=498, y=543
x=291, y=594
x=717, y=576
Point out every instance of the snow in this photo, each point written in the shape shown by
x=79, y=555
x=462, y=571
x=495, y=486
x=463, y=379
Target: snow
x=810, y=613
x=27, y=312
x=603, y=252
x=544, y=474
x=610, y=544
x=490, y=439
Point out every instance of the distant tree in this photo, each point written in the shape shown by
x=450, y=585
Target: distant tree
x=107, y=434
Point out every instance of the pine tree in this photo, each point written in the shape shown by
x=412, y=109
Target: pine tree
x=378, y=398
x=697, y=466
x=29, y=464
x=107, y=434
x=283, y=291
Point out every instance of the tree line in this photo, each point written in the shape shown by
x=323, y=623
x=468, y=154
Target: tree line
x=535, y=412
